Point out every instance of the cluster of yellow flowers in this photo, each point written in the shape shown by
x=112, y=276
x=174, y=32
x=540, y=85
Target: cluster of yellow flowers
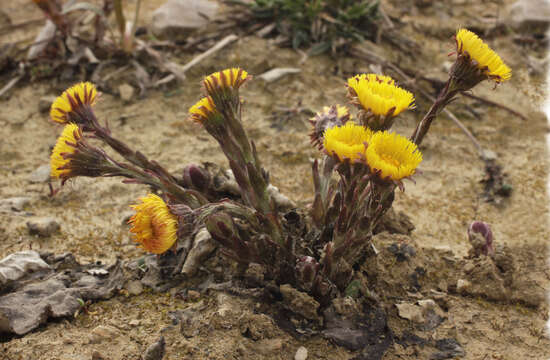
x=388, y=155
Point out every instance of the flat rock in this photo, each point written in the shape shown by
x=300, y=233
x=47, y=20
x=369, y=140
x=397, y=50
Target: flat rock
x=44, y=227
x=176, y=18
x=15, y=266
x=34, y=302
x=41, y=174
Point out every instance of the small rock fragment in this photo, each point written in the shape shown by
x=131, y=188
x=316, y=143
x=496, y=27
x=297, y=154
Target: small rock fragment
x=14, y=203
x=277, y=73
x=410, y=312
x=462, y=286
x=16, y=265
x=134, y=287
x=301, y=353
x=134, y=322
x=44, y=227
x=103, y=332
x=41, y=174
x=155, y=351
x=126, y=92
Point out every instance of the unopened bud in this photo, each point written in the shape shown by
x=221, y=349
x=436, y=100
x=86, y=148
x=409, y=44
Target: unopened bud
x=196, y=177
x=485, y=246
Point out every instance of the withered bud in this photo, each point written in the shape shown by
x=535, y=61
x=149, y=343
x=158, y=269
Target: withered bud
x=335, y=115
x=196, y=177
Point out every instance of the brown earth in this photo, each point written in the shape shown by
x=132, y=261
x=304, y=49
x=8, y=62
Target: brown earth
x=447, y=196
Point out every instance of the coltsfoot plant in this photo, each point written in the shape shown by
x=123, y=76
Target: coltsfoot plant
x=362, y=163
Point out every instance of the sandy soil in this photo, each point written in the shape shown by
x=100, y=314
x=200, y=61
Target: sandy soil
x=442, y=203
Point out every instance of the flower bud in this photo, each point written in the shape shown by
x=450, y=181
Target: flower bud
x=196, y=177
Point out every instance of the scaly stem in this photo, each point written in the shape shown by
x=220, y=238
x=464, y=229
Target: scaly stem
x=444, y=97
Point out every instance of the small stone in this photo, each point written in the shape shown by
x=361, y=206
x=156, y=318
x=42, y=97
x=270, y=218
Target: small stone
x=530, y=13
x=193, y=295
x=134, y=322
x=462, y=286
x=410, y=312
x=41, y=174
x=43, y=227
x=45, y=103
x=277, y=73
x=14, y=203
x=126, y=92
x=427, y=304
x=15, y=266
x=134, y=287
x=103, y=332
x=176, y=18
x=155, y=351
x=301, y=353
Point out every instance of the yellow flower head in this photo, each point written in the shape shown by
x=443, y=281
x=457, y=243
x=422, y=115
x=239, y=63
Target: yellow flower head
x=346, y=141
x=153, y=225
x=487, y=60
x=392, y=155
x=379, y=94
x=228, y=78
x=71, y=101
x=202, y=110
x=65, y=145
